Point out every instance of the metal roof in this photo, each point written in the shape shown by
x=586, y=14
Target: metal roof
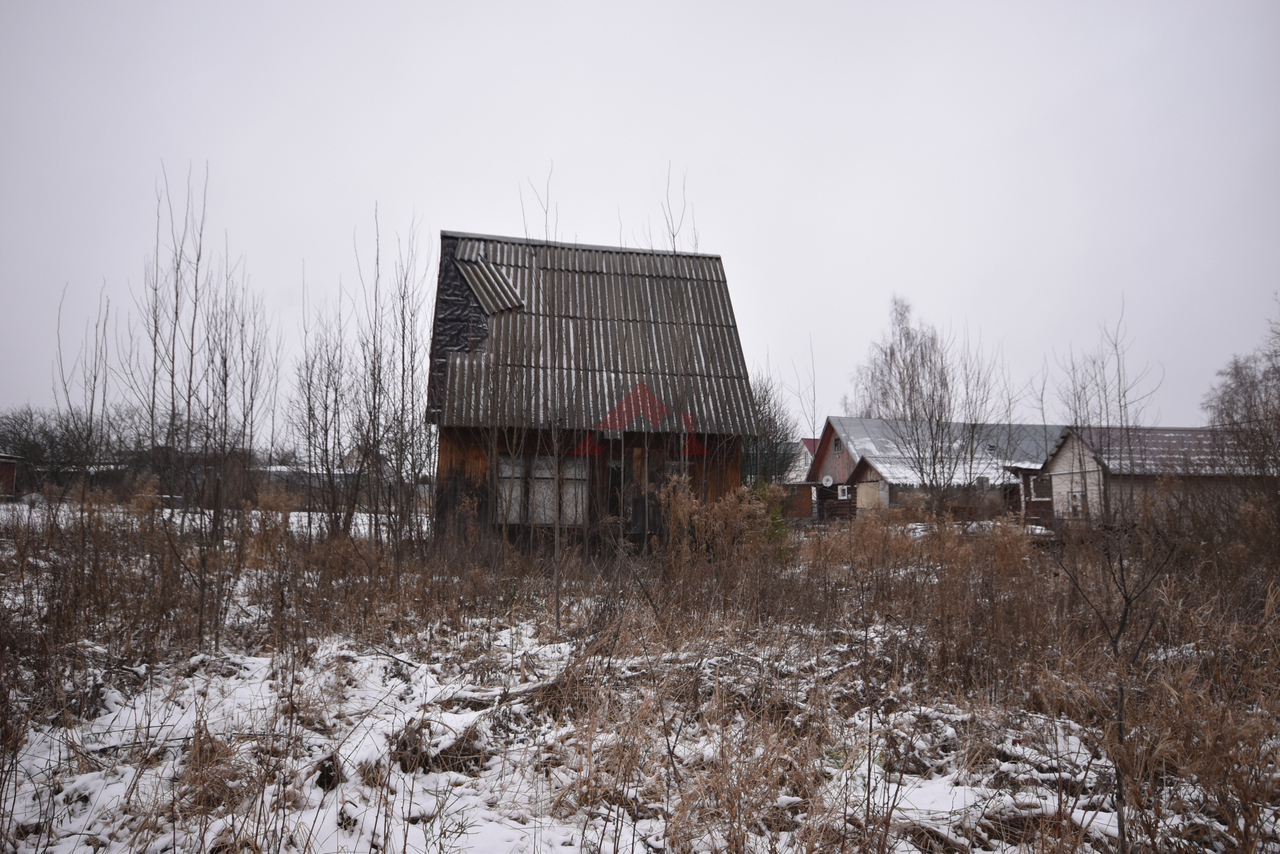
x=570, y=331
x=1156, y=451
x=490, y=285
x=1021, y=445
x=903, y=471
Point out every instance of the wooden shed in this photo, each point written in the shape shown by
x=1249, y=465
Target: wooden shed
x=569, y=383
x=1100, y=473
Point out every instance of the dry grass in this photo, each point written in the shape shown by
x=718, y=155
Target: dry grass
x=741, y=683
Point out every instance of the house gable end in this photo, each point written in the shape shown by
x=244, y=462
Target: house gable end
x=827, y=462
x=460, y=325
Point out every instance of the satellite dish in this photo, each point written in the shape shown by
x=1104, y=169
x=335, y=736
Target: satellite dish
x=827, y=480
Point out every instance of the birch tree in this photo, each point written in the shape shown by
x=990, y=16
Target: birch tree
x=942, y=398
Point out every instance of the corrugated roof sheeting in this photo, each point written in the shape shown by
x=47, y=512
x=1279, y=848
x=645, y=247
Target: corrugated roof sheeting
x=469, y=250
x=1160, y=451
x=482, y=394
x=572, y=330
x=510, y=252
x=1021, y=444
x=521, y=339
x=490, y=285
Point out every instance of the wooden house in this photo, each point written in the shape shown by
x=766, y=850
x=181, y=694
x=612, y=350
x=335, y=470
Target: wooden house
x=841, y=445
x=875, y=463
x=569, y=383
x=1100, y=472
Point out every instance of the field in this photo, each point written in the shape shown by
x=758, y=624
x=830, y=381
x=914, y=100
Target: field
x=900, y=684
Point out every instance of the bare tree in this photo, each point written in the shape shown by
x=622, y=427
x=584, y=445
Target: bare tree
x=395, y=443
x=769, y=455
x=82, y=392
x=1245, y=405
x=411, y=438
x=1244, y=408
x=322, y=419
x=805, y=392
x=1120, y=552
x=359, y=405
x=198, y=368
x=940, y=397
x=1105, y=401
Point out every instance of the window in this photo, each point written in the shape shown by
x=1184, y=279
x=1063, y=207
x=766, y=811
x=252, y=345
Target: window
x=1078, y=504
x=529, y=494
x=510, y=489
x=842, y=492
x=837, y=445
x=573, y=492
x=542, y=491
x=1041, y=487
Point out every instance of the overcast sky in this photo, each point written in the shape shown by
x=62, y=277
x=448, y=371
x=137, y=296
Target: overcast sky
x=1025, y=171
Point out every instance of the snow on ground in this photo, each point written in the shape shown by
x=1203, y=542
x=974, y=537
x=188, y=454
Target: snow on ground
x=221, y=749
x=465, y=741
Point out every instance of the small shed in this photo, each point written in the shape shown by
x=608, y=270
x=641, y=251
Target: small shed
x=1035, y=492
x=570, y=383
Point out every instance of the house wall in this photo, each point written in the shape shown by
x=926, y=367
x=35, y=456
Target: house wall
x=462, y=473
x=719, y=472
x=828, y=462
x=1074, y=471
x=1135, y=495
x=873, y=495
x=1126, y=495
x=624, y=473
x=831, y=506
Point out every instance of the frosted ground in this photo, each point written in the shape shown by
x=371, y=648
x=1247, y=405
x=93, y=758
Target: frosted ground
x=492, y=739
x=679, y=703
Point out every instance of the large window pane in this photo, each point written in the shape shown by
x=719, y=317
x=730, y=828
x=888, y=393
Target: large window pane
x=542, y=492
x=511, y=489
x=574, y=510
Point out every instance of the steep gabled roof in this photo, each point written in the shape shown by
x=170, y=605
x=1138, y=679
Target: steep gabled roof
x=534, y=334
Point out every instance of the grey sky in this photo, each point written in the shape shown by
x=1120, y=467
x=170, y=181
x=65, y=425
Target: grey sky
x=1022, y=170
